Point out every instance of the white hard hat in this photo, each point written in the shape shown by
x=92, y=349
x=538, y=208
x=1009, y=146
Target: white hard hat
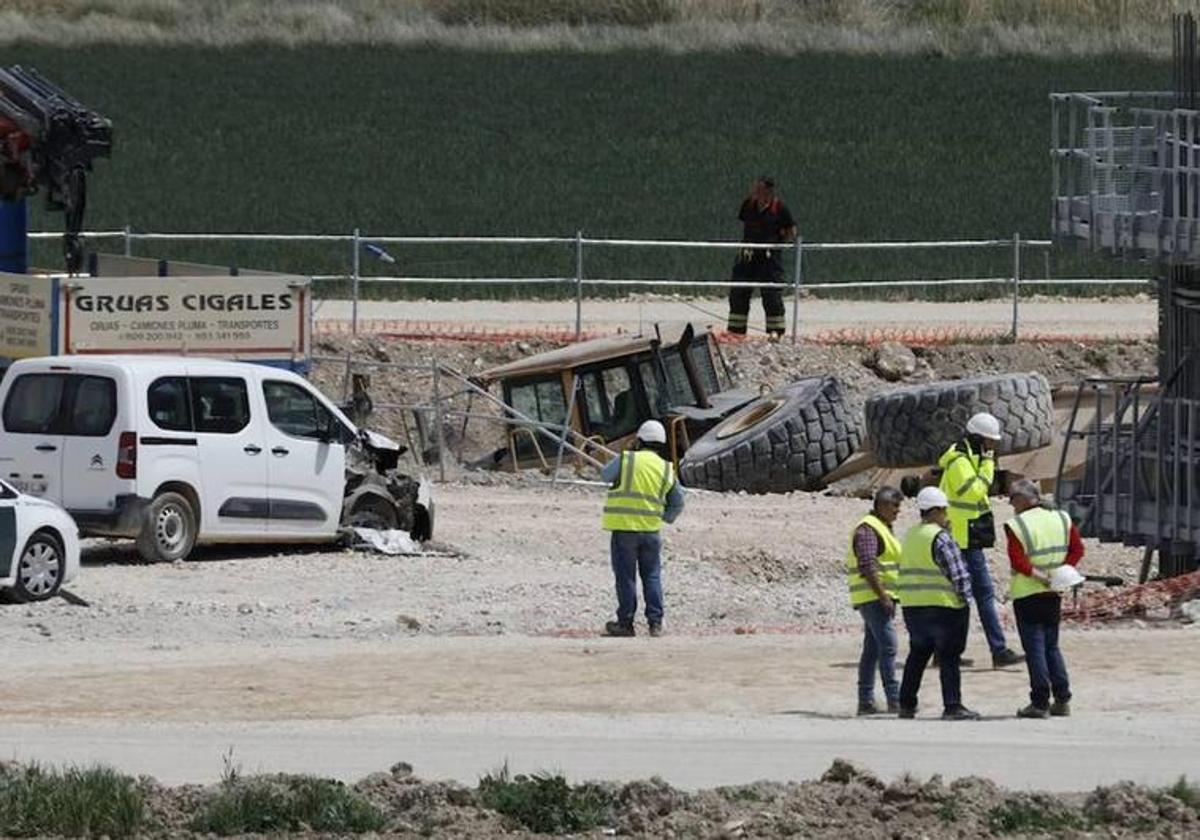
x=930, y=498
x=1064, y=577
x=652, y=432
x=984, y=425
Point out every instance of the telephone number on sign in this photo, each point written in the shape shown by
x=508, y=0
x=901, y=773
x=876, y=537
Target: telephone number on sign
x=223, y=335
x=152, y=337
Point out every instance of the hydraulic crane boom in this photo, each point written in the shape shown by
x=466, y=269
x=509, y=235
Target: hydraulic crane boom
x=48, y=141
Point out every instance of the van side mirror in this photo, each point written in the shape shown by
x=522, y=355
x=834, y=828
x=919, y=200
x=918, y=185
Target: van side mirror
x=326, y=427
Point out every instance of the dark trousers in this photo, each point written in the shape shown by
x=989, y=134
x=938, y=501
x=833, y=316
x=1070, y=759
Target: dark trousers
x=940, y=630
x=634, y=554
x=1038, y=618
x=747, y=271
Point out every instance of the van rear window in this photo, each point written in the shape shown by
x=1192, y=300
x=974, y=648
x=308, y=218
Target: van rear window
x=33, y=403
x=93, y=406
x=61, y=404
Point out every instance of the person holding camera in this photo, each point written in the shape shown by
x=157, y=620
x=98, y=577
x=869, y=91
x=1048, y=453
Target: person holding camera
x=968, y=469
x=765, y=219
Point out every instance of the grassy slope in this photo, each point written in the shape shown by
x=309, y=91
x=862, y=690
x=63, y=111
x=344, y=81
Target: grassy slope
x=627, y=144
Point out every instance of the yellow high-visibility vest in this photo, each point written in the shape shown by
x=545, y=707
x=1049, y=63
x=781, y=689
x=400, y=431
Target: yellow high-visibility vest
x=640, y=497
x=922, y=583
x=1045, y=536
x=888, y=563
x=966, y=478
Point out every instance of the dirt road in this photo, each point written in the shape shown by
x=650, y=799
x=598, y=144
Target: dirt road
x=1126, y=317
x=698, y=712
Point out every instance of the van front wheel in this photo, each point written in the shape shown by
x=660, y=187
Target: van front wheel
x=169, y=530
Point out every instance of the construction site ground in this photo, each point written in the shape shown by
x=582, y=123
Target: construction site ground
x=487, y=649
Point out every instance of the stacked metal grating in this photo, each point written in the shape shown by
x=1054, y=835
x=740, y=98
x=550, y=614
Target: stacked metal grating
x=1128, y=183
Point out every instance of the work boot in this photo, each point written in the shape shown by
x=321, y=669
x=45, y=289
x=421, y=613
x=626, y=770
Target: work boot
x=893, y=707
x=1006, y=657
x=906, y=714
x=1033, y=712
x=960, y=713
x=616, y=628
x=866, y=709
x=1060, y=708
x=655, y=629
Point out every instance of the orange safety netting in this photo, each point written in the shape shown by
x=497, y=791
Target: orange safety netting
x=1132, y=601
x=444, y=331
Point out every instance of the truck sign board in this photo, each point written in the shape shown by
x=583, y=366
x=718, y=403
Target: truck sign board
x=26, y=315
x=263, y=318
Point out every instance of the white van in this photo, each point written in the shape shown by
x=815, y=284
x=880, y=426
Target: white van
x=172, y=451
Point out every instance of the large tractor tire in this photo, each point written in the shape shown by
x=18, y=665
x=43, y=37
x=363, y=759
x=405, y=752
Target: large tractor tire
x=787, y=440
x=912, y=427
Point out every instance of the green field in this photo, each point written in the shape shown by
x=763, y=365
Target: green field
x=626, y=144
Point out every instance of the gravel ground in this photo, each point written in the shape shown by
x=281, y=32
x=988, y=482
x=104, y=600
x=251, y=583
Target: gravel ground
x=513, y=555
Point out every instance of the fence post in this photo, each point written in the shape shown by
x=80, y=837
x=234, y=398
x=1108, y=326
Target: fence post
x=354, y=301
x=1016, y=281
x=578, y=284
x=128, y=243
x=796, y=274
x=437, y=421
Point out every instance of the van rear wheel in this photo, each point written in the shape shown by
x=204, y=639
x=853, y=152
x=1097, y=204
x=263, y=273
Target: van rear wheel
x=169, y=530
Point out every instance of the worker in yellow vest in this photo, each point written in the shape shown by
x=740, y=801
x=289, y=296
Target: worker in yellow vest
x=643, y=494
x=968, y=468
x=1040, y=541
x=872, y=568
x=934, y=587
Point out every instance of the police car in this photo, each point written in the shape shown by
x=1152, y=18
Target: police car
x=39, y=546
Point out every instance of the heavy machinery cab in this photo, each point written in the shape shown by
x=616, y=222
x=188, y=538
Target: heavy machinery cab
x=608, y=387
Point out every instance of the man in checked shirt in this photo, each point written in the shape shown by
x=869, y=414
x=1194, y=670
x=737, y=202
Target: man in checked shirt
x=934, y=589
x=872, y=569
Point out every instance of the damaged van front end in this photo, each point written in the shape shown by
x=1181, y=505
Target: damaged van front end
x=378, y=495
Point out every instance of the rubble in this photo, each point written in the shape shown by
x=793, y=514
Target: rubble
x=893, y=361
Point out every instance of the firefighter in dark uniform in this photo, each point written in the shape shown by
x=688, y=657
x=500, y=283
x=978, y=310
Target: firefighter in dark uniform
x=766, y=219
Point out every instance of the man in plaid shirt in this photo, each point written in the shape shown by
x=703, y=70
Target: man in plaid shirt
x=872, y=568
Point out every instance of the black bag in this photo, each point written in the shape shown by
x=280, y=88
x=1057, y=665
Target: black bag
x=981, y=531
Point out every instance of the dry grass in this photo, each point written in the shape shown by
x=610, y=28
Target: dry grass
x=947, y=27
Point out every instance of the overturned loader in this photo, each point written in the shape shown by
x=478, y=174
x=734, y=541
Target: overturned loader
x=721, y=437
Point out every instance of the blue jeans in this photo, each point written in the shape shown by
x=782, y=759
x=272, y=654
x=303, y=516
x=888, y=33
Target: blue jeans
x=879, y=649
x=637, y=553
x=1038, y=618
x=985, y=598
x=940, y=630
